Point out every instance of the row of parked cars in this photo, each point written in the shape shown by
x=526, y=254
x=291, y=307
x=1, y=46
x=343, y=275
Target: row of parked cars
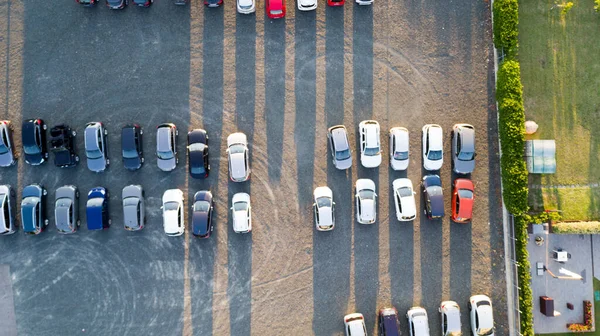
x=480, y=311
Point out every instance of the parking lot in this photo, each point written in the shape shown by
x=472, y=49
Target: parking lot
x=282, y=83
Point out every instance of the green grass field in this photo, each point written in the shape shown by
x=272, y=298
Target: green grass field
x=560, y=69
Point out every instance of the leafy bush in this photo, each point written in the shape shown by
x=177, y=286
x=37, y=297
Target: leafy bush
x=542, y=217
x=506, y=25
x=597, y=5
x=576, y=227
x=525, y=293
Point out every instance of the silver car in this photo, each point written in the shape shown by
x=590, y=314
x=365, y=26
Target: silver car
x=463, y=148
x=450, y=315
x=246, y=6
x=7, y=148
x=340, y=147
x=95, y=147
x=66, y=209
x=8, y=203
x=237, y=151
x=134, y=212
x=166, y=146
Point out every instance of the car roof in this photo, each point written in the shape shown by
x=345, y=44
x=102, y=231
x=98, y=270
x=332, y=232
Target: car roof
x=325, y=216
x=238, y=165
x=486, y=319
x=401, y=136
x=237, y=138
x=340, y=138
x=367, y=209
x=163, y=139
x=130, y=213
x=275, y=4
x=391, y=325
x=435, y=137
x=28, y=215
x=372, y=135
x=467, y=136
x=200, y=222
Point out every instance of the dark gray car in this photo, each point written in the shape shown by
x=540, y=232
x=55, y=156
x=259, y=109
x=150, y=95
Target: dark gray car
x=166, y=146
x=7, y=148
x=463, y=148
x=8, y=208
x=133, y=207
x=340, y=147
x=66, y=209
x=95, y=147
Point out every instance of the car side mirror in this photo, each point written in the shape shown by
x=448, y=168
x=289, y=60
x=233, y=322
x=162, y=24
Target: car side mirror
x=314, y=204
x=333, y=203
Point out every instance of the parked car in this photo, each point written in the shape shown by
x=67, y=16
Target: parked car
x=132, y=146
x=370, y=147
x=482, y=315
x=237, y=152
x=117, y=4
x=8, y=223
x=33, y=136
x=134, y=209
x=450, y=317
x=202, y=214
x=241, y=212
x=66, y=209
x=433, y=149
x=62, y=143
x=355, y=325
x=462, y=200
x=275, y=9
x=213, y=3
x=364, y=2
x=246, y=6
x=97, y=209
x=340, y=147
x=8, y=156
x=307, y=5
x=166, y=146
x=198, y=153
x=96, y=147
x=335, y=3
x=172, y=210
x=87, y=3
x=418, y=324
x=433, y=196
x=404, y=199
x=399, y=147
x=366, y=201
x=324, y=209
x=143, y=3
x=463, y=148
x=388, y=322
x=33, y=209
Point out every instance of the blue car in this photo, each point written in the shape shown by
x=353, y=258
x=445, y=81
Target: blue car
x=97, y=209
x=33, y=214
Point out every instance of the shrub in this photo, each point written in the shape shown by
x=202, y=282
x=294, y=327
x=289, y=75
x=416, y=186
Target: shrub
x=525, y=293
x=597, y=5
x=506, y=25
x=576, y=227
x=542, y=217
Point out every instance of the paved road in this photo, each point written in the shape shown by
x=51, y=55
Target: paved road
x=282, y=83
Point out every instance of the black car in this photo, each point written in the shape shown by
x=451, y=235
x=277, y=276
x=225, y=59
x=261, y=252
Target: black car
x=434, y=199
x=198, y=153
x=33, y=136
x=62, y=143
x=87, y=3
x=117, y=4
x=388, y=322
x=143, y=3
x=131, y=146
x=202, y=213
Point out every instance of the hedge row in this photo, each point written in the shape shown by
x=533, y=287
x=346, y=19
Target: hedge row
x=506, y=22
x=524, y=276
x=576, y=227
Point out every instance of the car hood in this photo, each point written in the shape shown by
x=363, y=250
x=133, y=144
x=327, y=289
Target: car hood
x=240, y=222
x=400, y=164
x=34, y=159
x=245, y=3
x=132, y=163
x=307, y=3
x=131, y=191
x=236, y=138
x=371, y=161
x=96, y=165
x=166, y=165
x=464, y=167
x=344, y=164
x=323, y=192
x=6, y=159
x=65, y=192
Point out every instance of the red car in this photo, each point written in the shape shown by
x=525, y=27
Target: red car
x=335, y=3
x=462, y=200
x=275, y=9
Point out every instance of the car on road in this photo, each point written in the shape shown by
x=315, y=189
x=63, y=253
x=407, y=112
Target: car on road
x=8, y=156
x=134, y=208
x=324, y=209
x=202, y=214
x=246, y=6
x=8, y=223
x=66, y=209
x=463, y=148
x=132, y=146
x=418, y=324
x=307, y=5
x=275, y=9
x=237, y=152
x=96, y=147
x=399, y=147
x=116, y=4
x=213, y=3
x=433, y=196
x=241, y=212
x=33, y=209
x=450, y=318
x=166, y=146
x=335, y=3
x=62, y=143
x=463, y=197
x=482, y=315
x=366, y=201
x=370, y=147
x=33, y=136
x=364, y=2
x=340, y=147
x=388, y=322
x=355, y=325
x=404, y=199
x=87, y=3
x=96, y=209
x=198, y=153
x=172, y=212
x=143, y=3
x=433, y=149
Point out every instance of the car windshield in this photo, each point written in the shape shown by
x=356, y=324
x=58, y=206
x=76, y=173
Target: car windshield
x=202, y=206
x=465, y=193
x=465, y=156
x=401, y=156
x=3, y=148
x=276, y=12
x=240, y=206
x=371, y=151
x=130, y=153
x=31, y=149
x=236, y=149
x=93, y=154
x=171, y=206
x=196, y=147
x=434, y=155
x=366, y=194
x=342, y=155
x=197, y=169
x=404, y=192
x=324, y=202
x=165, y=155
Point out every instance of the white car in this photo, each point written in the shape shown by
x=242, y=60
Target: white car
x=404, y=199
x=172, y=211
x=324, y=209
x=399, y=148
x=307, y=5
x=450, y=316
x=370, y=147
x=237, y=152
x=433, y=149
x=246, y=6
x=482, y=315
x=355, y=325
x=418, y=324
x=241, y=213
x=364, y=2
x=366, y=201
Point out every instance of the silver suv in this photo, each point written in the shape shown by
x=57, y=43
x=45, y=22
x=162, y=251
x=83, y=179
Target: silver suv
x=166, y=146
x=340, y=147
x=95, y=147
x=66, y=209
